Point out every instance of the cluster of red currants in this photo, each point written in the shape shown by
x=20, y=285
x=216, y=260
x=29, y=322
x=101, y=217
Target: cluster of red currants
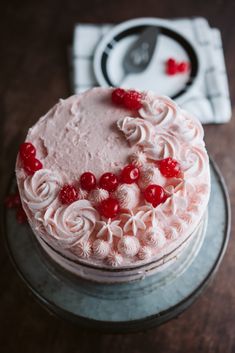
x=174, y=67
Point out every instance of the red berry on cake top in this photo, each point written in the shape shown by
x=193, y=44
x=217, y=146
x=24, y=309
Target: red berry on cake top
x=88, y=181
x=31, y=165
x=109, y=182
x=109, y=208
x=68, y=194
x=132, y=100
x=118, y=95
x=169, y=168
x=27, y=150
x=155, y=195
x=130, y=174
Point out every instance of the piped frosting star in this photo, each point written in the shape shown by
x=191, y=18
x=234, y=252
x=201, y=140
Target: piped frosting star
x=133, y=222
x=150, y=214
x=178, y=197
x=109, y=229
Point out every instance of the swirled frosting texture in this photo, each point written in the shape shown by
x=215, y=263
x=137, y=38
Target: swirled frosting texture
x=136, y=130
x=71, y=224
x=40, y=190
x=88, y=132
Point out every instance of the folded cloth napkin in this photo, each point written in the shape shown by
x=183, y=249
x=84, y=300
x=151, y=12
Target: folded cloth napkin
x=208, y=99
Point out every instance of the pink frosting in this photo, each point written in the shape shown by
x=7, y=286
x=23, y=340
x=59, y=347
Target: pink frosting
x=81, y=123
x=40, y=190
x=136, y=130
x=97, y=195
x=101, y=248
x=150, y=175
x=128, y=245
x=128, y=195
x=88, y=132
x=70, y=224
x=160, y=111
x=138, y=158
x=82, y=249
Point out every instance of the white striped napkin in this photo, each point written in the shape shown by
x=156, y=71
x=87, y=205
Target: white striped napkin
x=209, y=98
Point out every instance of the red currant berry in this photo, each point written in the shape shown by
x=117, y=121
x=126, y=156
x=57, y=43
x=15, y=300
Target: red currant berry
x=13, y=201
x=21, y=216
x=118, y=95
x=109, y=208
x=27, y=150
x=68, y=194
x=171, y=62
x=171, y=67
x=88, y=181
x=109, y=182
x=132, y=100
x=31, y=165
x=130, y=174
x=155, y=195
x=169, y=168
x=182, y=66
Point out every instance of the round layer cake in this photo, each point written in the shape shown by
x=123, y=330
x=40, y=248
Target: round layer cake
x=115, y=183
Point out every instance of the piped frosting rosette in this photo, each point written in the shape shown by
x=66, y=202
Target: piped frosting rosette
x=40, y=190
x=159, y=111
x=68, y=225
x=137, y=131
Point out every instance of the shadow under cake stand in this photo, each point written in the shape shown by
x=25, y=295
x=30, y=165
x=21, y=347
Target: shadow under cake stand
x=130, y=306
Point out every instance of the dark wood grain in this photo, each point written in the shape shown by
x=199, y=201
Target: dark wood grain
x=34, y=74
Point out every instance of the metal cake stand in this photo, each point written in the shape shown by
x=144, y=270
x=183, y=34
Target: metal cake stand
x=131, y=306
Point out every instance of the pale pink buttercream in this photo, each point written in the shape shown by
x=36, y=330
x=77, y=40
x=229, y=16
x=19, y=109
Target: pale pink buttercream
x=69, y=224
x=79, y=134
x=128, y=245
x=101, y=248
x=158, y=110
x=89, y=133
x=97, y=195
x=109, y=229
x=128, y=195
x=136, y=130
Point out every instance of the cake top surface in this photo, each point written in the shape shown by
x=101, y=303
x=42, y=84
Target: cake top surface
x=157, y=155
x=80, y=134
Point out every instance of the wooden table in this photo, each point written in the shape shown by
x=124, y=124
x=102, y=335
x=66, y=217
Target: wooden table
x=34, y=74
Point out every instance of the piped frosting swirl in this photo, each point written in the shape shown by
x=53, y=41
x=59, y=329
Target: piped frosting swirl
x=70, y=224
x=136, y=130
x=40, y=190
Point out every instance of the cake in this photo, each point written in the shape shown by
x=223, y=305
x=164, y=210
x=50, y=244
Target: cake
x=115, y=183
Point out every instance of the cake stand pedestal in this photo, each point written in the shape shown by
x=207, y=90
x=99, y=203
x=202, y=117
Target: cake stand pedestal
x=132, y=306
